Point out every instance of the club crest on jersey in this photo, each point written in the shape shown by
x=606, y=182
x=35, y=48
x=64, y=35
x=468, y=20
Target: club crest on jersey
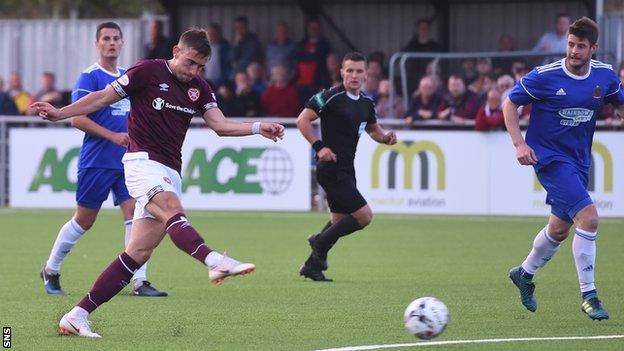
x=597, y=92
x=193, y=94
x=123, y=80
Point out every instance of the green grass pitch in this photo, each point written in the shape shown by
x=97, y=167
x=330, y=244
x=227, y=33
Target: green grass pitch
x=461, y=260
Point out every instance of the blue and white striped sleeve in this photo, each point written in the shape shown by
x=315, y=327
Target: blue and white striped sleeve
x=528, y=89
x=614, y=94
x=84, y=85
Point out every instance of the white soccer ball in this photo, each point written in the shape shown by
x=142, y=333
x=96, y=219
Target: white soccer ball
x=426, y=317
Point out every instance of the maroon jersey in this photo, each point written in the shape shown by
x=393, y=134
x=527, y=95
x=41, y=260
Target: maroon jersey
x=161, y=109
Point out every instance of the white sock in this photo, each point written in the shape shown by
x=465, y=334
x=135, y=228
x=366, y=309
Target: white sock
x=544, y=248
x=213, y=259
x=78, y=312
x=584, y=251
x=141, y=274
x=65, y=240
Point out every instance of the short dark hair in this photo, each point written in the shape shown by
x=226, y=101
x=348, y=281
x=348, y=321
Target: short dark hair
x=562, y=15
x=354, y=56
x=457, y=76
x=196, y=38
x=242, y=19
x=585, y=28
x=215, y=26
x=111, y=25
x=159, y=25
x=422, y=20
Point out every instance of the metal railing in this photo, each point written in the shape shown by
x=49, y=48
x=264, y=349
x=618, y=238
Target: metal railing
x=402, y=57
x=8, y=122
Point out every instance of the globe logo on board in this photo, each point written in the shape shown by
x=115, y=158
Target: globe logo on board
x=158, y=103
x=276, y=171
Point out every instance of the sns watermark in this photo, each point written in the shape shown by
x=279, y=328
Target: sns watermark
x=6, y=337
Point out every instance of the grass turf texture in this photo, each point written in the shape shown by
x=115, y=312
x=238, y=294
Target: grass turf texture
x=462, y=260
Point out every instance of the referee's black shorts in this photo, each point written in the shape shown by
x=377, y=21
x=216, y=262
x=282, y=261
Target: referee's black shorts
x=340, y=186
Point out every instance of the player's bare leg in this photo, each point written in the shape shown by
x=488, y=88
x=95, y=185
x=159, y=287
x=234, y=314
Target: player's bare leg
x=166, y=207
x=140, y=285
x=584, y=250
x=146, y=235
x=67, y=237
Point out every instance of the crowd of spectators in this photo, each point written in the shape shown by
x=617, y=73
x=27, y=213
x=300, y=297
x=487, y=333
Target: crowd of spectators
x=276, y=79
x=471, y=91
x=15, y=100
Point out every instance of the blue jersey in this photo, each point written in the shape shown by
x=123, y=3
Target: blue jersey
x=97, y=152
x=564, y=110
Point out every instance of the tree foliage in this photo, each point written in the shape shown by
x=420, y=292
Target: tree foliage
x=34, y=9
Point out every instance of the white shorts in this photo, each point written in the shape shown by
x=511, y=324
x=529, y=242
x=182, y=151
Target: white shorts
x=146, y=178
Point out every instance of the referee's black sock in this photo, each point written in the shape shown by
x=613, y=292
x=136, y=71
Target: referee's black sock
x=347, y=225
x=327, y=225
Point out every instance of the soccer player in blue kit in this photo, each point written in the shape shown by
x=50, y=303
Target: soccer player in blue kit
x=100, y=170
x=567, y=96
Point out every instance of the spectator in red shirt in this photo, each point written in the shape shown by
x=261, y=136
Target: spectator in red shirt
x=311, y=59
x=490, y=115
x=280, y=99
x=459, y=104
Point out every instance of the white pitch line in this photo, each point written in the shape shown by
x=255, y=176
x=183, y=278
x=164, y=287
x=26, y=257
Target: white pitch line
x=481, y=341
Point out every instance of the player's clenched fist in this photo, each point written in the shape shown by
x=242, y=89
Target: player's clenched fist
x=326, y=155
x=390, y=138
x=525, y=155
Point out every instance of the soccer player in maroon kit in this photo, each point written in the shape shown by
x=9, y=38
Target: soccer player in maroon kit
x=164, y=97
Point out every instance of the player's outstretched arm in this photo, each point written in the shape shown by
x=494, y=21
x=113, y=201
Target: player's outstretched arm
x=380, y=135
x=524, y=153
x=223, y=127
x=89, y=103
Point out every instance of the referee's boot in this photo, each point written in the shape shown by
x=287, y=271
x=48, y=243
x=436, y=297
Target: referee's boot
x=146, y=289
x=312, y=269
x=319, y=253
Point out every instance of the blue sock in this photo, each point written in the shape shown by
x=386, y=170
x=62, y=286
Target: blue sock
x=589, y=294
x=525, y=274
